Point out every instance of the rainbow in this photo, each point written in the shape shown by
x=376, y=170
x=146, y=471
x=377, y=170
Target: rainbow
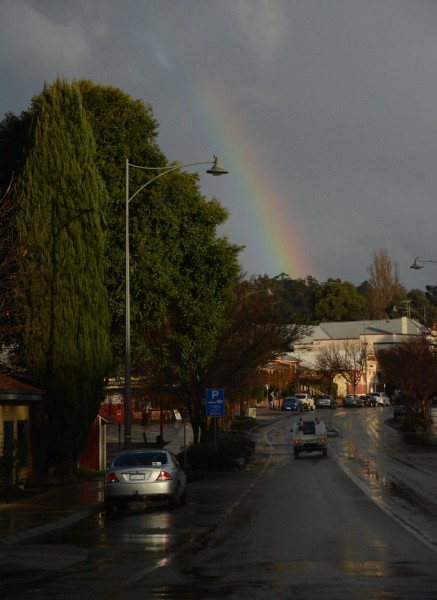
x=263, y=207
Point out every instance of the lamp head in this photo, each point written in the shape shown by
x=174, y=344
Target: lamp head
x=217, y=168
x=416, y=264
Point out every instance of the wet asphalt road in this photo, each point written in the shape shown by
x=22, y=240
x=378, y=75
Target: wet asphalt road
x=358, y=524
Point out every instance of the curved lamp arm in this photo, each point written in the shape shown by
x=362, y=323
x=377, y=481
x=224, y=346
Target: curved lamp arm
x=417, y=264
x=216, y=169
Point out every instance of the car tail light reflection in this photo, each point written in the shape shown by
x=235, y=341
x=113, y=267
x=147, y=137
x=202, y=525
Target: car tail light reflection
x=164, y=476
x=323, y=440
x=111, y=478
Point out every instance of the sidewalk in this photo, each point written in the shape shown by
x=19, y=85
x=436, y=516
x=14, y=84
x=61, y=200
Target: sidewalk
x=50, y=510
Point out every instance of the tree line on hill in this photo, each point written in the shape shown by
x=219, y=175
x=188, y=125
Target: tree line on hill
x=381, y=296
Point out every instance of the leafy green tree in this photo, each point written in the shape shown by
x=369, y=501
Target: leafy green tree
x=13, y=139
x=9, y=255
x=180, y=268
x=295, y=299
x=339, y=301
x=198, y=273
x=62, y=294
x=365, y=290
x=125, y=128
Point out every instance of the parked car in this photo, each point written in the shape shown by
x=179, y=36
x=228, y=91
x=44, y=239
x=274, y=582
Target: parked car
x=325, y=401
x=381, y=398
x=399, y=410
x=370, y=400
x=291, y=403
x=145, y=474
x=353, y=400
x=307, y=401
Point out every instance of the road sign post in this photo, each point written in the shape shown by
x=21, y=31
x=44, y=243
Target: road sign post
x=215, y=407
x=215, y=403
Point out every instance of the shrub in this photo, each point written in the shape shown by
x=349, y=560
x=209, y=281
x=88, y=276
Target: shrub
x=228, y=453
x=243, y=424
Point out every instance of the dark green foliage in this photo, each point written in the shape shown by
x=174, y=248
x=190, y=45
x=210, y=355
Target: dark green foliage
x=62, y=296
x=14, y=133
x=125, y=128
x=228, y=453
x=180, y=270
x=195, y=269
x=339, y=301
x=243, y=424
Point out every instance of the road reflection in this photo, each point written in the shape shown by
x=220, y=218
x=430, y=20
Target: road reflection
x=377, y=480
x=398, y=478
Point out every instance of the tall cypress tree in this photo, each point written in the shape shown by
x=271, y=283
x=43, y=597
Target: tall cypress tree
x=63, y=298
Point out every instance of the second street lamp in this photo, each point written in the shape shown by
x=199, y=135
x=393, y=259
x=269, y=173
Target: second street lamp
x=216, y=169
x=417, y=264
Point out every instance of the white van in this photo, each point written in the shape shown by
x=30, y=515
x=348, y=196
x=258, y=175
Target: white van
x=306, y=401
x=381, y=398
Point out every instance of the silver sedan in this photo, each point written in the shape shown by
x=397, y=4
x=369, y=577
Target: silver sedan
x=145, y=474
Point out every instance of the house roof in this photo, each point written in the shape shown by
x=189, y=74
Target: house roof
x=15, y=391
x=360, y=329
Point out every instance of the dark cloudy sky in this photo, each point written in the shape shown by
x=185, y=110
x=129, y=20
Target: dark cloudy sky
x=324, y=112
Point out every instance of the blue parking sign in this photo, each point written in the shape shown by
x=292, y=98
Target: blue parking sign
x=215, y=403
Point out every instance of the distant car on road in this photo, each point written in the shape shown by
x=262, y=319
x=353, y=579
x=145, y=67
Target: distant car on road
x=370, y=400
x=291, y=403
x=353, y=401
x=307, y=401
x=381, y=398
x=325, y=401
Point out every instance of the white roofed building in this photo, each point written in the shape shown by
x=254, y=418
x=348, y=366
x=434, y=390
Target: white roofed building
x=372, y=335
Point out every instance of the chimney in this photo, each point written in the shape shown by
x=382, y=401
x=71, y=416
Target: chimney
x=404, y=325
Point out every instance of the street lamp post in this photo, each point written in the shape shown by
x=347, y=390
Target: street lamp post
x=417, y=264
x=216, y=169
